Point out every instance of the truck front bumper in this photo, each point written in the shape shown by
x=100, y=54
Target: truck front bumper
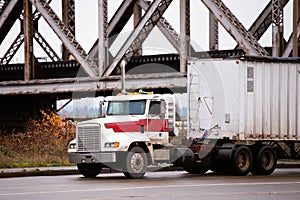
x=107, y=157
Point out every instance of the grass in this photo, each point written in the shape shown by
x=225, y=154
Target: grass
x=43, y=142
x=38, y=161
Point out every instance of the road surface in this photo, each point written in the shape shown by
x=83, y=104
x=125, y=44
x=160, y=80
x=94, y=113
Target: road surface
x=282, y=184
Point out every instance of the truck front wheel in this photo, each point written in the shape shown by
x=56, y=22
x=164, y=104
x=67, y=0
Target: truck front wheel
x=90, y=170
x=265, y=162
x=136, y=163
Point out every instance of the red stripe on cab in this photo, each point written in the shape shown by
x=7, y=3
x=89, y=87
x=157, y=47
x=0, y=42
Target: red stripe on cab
x=154, y=125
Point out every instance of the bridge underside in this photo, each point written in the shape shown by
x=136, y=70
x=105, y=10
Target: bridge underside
x=22, y=100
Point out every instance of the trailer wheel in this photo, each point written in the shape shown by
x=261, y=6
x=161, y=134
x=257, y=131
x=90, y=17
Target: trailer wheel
x=89, y=170
x=265, y=162
x=242, y=161
x=136, y=163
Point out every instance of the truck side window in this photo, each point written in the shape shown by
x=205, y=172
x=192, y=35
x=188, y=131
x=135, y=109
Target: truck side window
x=155, y=108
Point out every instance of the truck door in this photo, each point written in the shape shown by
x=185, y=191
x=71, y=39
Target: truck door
x=157, y=124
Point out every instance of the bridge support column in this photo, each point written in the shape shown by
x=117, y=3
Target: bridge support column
x=29, y=70
x=213, y=33
x=296, y=16
x=103, y=36
x=68, y=17
x=277, y=28
x=137, y=16
x=184, y=33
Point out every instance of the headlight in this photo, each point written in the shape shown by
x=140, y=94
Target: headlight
x=112, y=145
x=73, y=146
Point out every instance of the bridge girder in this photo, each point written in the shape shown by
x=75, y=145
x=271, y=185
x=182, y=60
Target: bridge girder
x=65, y=29
x=113, y=83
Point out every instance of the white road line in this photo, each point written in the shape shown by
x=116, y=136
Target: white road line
x=150, y=187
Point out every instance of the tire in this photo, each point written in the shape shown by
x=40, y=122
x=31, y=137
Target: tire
x=89, y=170
x=136, y=163
x=265, y=162
x=242, y=161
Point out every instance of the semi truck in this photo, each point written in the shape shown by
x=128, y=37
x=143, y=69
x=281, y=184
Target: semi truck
x=243, y=114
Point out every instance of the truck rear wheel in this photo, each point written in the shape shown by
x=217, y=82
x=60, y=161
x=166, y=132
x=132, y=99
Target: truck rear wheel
x=242, y=161
x=136, y=163
x=265, y=162
x=89, y=169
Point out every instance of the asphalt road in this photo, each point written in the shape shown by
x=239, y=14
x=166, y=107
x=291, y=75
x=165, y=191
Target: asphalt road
x=282, y=184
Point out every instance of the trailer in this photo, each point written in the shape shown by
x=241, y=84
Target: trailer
x=254, y=105
x=242, y=116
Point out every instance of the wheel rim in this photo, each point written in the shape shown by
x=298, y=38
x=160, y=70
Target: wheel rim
x=137, y=163
x=243, y=160
x=267, y=160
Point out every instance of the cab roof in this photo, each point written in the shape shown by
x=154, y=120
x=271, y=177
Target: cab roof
x=131, y=96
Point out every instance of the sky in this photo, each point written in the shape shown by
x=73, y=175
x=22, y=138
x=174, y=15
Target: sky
x=87, y=31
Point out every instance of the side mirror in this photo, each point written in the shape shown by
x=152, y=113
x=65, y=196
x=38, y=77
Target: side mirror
x=70, y=122
x=163, y=109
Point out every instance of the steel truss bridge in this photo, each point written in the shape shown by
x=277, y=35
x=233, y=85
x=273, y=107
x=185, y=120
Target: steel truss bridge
x=26, y=88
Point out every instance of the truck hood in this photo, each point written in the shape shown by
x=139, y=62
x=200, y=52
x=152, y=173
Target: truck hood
x=129, y=125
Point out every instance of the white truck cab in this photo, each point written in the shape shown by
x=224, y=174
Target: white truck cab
x=126, y=136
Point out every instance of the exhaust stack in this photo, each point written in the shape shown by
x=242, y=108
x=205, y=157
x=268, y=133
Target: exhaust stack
x=122, y=65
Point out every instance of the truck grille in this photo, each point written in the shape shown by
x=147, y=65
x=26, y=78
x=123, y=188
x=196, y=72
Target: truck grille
x=88, y=137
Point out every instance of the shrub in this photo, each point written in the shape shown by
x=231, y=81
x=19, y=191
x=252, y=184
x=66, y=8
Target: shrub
x=43, y=141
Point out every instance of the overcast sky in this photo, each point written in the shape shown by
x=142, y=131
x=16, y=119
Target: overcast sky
x=86, y=26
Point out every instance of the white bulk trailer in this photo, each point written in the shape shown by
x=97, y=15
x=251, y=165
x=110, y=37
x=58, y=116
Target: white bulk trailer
x=245, y=99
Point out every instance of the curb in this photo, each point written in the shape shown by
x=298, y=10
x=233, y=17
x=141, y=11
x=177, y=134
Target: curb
x=40, y=171
x=57, y=171
x=288, y=165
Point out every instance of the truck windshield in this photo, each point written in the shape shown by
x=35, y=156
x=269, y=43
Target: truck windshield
x=136, y=107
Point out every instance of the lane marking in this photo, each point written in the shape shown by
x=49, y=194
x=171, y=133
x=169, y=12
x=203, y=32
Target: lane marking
x=209, y=195
x=150, y=187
